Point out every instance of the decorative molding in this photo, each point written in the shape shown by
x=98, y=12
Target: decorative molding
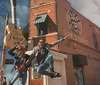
x=74, y=22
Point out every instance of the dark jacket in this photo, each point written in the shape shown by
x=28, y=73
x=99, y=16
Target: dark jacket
x=35, y=51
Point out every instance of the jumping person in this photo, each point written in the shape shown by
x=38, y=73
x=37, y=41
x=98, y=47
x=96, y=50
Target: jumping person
x=19, y=54
x=41, y=55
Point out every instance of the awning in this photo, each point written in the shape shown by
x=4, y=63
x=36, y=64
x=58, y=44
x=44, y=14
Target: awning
x=41, y=18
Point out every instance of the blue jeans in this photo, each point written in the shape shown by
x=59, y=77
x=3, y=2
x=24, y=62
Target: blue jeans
x=22, y=74
x=48, y=63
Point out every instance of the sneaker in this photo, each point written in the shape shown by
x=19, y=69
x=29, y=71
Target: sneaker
x=9, y=83
x=55, y=74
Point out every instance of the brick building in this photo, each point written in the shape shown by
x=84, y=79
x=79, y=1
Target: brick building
x=78, y=57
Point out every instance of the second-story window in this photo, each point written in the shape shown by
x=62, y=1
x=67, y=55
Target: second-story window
x=44, y=24
x=41, y=22
x=95, y=40
x=42, y=29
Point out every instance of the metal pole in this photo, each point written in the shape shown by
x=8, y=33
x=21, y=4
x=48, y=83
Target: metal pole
x=4, y=51
x=4, y=48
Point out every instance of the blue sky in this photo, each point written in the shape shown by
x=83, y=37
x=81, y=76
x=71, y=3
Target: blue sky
x=88, y=8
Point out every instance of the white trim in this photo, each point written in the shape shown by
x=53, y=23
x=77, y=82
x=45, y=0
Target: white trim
x=54, y=33
x=57, y=55
x=27, y=81
x=45, y=80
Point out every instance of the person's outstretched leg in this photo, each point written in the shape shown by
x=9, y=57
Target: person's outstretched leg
x=24, y=77
x=51, y=66
x=42, y=69
x=14, y=78
x=48, y=63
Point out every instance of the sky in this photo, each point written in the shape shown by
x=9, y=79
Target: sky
x=88, y=8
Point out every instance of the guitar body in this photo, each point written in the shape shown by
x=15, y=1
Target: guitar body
x=14, y=37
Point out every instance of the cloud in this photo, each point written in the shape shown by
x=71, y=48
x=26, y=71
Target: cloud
x=96, y=2
x=88, y=8
x=74, y=4
x=22, y=15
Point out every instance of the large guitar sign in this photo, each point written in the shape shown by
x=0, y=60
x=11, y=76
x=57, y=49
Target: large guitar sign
x=14, y=35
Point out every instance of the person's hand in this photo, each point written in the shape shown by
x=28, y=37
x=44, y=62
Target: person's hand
x=66, y=36
x=17, y=46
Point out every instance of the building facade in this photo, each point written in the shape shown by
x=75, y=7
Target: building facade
x=53, y=19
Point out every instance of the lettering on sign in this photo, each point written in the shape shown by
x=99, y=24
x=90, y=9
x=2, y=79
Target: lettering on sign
x=75, y=37
x=74, y=22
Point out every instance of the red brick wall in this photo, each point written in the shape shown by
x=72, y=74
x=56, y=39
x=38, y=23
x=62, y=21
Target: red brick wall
x=38, y=2
x=49, y=9
x=77, y=46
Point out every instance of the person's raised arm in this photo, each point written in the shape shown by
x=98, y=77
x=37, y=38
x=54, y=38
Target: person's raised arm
x=58, y=41
x=11, y=51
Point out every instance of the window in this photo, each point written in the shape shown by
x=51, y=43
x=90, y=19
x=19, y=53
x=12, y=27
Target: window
x=42, y=29
x=41, y=22
x=95, y=40
x=44, y=24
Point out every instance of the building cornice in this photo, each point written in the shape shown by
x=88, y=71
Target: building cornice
x=43, y=5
